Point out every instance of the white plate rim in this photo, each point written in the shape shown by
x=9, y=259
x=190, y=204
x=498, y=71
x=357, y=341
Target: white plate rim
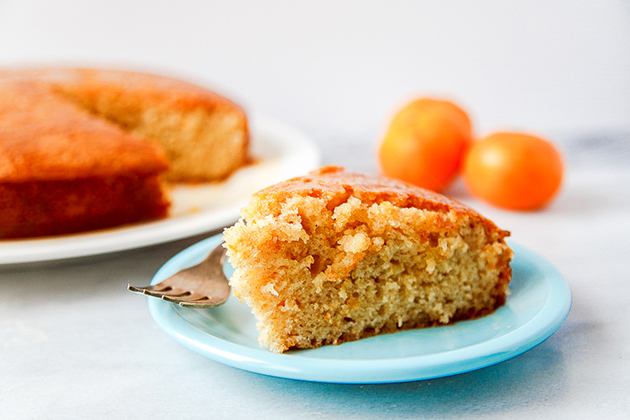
x=300, y=155
x=292, y=366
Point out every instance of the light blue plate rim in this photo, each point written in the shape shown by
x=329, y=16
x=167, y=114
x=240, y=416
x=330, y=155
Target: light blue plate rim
x=551, y=294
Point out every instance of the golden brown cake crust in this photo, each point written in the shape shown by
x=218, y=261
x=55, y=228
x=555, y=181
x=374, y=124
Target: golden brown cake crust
x=336, y=184
x=54, y=207
x=44, y=137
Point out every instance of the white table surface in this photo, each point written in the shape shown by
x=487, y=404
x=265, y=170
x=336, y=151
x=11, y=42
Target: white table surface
x=74, y=344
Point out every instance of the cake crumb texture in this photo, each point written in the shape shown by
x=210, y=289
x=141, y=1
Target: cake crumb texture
x=334, y=256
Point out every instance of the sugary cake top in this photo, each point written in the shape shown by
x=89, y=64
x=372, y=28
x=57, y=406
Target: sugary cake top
x=335, y=184
x=333, y=180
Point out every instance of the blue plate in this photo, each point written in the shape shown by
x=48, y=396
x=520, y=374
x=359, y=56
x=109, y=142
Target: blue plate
x=539, y=303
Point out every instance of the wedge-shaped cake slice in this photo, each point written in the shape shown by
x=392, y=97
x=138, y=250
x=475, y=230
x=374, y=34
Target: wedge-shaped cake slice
x=337, y=256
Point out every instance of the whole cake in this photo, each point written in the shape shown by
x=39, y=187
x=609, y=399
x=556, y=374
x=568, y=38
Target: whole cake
x=336, y=256
x=84, y=149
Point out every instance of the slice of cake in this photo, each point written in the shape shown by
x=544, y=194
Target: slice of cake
x=337, y=256
x=85, y=149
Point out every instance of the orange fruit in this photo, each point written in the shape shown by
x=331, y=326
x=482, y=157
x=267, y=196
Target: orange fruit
x=425, y=143
x=513, y=171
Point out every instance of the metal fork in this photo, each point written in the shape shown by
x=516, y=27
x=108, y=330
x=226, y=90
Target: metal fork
x=201, y=286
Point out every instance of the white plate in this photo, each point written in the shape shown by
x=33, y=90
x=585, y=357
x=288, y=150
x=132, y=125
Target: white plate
x=539, y=303
x=281, y=152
